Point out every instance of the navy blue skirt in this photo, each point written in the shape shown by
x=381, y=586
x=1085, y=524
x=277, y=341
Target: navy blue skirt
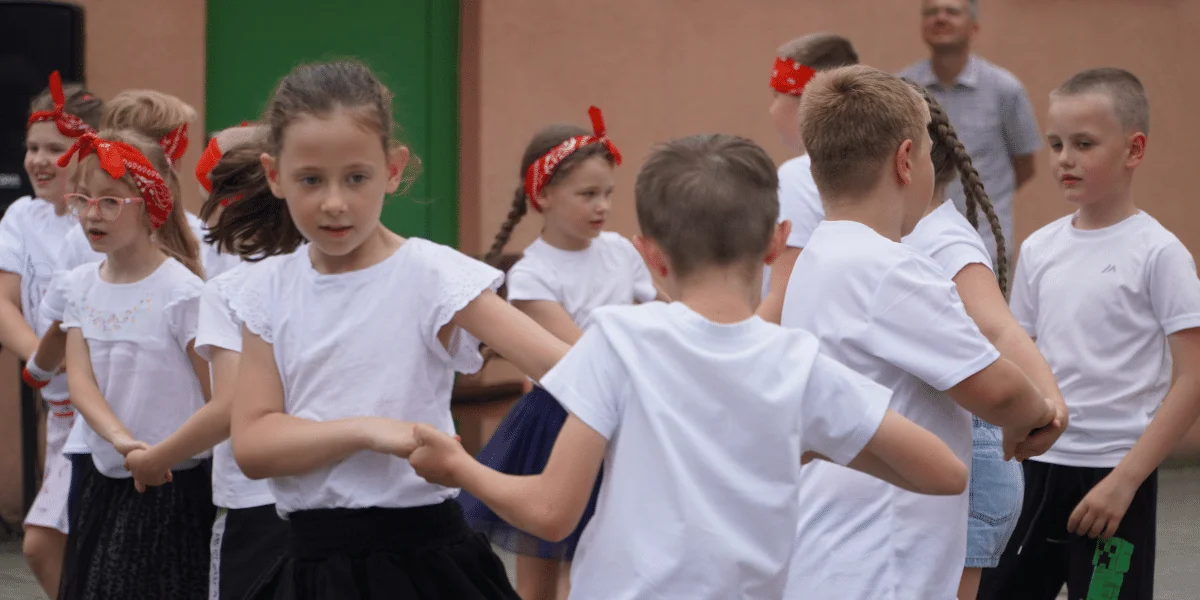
x=521, y=446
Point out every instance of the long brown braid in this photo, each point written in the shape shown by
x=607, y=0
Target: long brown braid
x=950, y=157
x=543, y=142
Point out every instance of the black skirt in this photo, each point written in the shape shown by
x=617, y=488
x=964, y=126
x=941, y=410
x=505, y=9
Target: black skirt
x=425, y=553
x=123, y=544
x=248, y=543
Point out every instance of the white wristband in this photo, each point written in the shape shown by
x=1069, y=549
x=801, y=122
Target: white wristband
x=37, y=372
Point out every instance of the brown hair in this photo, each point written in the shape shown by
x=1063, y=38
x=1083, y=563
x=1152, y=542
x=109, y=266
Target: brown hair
x=852, y=121
x=708, y=200
x=543, y=141
x=315, y=89
x=154, y=114
x=820, y=51
x=174, y=236
x=256, y=214
x=950, y=159
x=1129, y=99
x=78, y=101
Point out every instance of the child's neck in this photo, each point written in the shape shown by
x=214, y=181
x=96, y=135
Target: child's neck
x=1105, y=213
x=557, y=238
x=875, y=210
x=378, y=247
x=719, y=294
x=132, y=263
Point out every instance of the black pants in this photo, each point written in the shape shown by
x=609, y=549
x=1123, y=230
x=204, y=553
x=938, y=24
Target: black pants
x=1042, y=555
x=252, y=543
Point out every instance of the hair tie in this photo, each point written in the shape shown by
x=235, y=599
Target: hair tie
x=68, y=124
x=118, y=159
x=789, y=76
x=543, y=168
x=175, y=143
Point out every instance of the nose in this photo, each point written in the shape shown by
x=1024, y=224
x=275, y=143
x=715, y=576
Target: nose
x=93, y=212
x=335, y=202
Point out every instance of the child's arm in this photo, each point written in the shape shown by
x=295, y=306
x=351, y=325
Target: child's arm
x=1101, y=511
x=1003, y=395
x=52, y=348
x=551, y=316
x=86, y=396
x=986, y=306
x=268, y=442
x=771, y=309
x=548, y=505
x=512, y=333
x=15, y=333
x=909, y=457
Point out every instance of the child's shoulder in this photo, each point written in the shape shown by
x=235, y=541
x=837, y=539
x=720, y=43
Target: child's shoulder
x=796, y=167
x=23, y=206
x=179, y=279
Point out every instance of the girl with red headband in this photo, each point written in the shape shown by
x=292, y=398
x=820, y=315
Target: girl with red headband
x=349, y=342
x=572, y=268
x=131, y=322
x=30, y=234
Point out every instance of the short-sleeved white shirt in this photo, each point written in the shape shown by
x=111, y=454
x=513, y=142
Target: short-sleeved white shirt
x=609, y=271
x=219, y=327
x=138, y=334
x=947, y=237
x=30, y=233
x=799, y=202
x=1100, y=304
x=365, y=343
x=891, y=314
x=706, y=424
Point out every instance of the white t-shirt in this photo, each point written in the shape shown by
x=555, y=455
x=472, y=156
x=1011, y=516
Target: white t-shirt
x=138, y=334
x=609, y=271
x=30, y=233
x=799, y=202
x=1100, y=304
x=890, y=313
x=365, y=343
x=219, y=327
x=706, y=423
x=947, y=237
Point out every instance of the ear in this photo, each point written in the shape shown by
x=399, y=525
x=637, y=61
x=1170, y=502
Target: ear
x=1137, y=150
x=397, y=160
x=268, y=164
x=903, y=163
x=778, y=241
x=652, y=254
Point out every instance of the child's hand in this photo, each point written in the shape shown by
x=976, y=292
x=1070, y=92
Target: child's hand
x=146, y=469
x=1040, y=440
x=126, y=444
x=437, y=456
x=1013, y=438
x=389, y=436
x=1101, y=510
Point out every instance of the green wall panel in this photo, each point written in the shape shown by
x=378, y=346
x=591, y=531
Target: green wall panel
x=411, y=44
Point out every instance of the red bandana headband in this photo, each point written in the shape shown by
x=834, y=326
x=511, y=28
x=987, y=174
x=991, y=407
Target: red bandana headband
x=541, y=170
x=68, y=124
x=175, y=143
x=789, y=76
x=119, y=158
x=208, y=161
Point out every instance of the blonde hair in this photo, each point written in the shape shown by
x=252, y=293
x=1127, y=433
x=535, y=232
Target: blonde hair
x=852, y=120
x=174, y=237
x=153, y=114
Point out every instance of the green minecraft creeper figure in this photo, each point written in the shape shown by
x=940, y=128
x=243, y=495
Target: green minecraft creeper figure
x=1110, y=563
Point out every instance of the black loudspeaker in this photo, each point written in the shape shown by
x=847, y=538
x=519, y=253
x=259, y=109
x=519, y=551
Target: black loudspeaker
x=36, y=38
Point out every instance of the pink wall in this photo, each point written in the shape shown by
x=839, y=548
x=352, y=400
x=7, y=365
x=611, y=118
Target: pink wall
x=675, y=67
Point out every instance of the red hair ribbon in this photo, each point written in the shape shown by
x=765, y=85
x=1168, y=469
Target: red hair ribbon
x=541, y=170
x=208, y=160
x=175, y=143
x=68, y=124
x=789, y=76
x=118, y=159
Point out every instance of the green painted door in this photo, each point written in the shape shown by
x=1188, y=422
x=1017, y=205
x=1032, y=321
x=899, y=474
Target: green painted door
x=412, y=45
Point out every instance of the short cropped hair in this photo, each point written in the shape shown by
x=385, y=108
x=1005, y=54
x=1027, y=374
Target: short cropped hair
x=852, y=121
x=820, y=51
x=1130, y=102
x=708, y=200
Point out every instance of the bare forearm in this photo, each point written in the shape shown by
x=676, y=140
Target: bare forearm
x=1018, y=404
x=280, y=445
x=96, y=411
x=1174, y=419
x=521, y=500
x=15, y=333
x=206, y=428
x=1015, y=345
x=52, y=349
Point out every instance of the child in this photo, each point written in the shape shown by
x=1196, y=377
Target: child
x=891, y=314
x=216, y=261
x=130, y=322
x=799, y=202
x=29, y=235
x=953, y=242
x=1113, y=301
x=351, y=341
x=700, y=410
x=573, y=268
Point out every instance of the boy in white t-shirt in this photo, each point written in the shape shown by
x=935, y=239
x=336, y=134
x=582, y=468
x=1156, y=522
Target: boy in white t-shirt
x=1113, y=301
x=890, y=313
x=699, y=410
x=799, y=201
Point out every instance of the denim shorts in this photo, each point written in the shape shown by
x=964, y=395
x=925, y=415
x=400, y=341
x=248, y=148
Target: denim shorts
x=996, y=491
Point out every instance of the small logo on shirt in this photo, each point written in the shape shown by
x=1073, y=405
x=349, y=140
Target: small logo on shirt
x=1110, y=269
